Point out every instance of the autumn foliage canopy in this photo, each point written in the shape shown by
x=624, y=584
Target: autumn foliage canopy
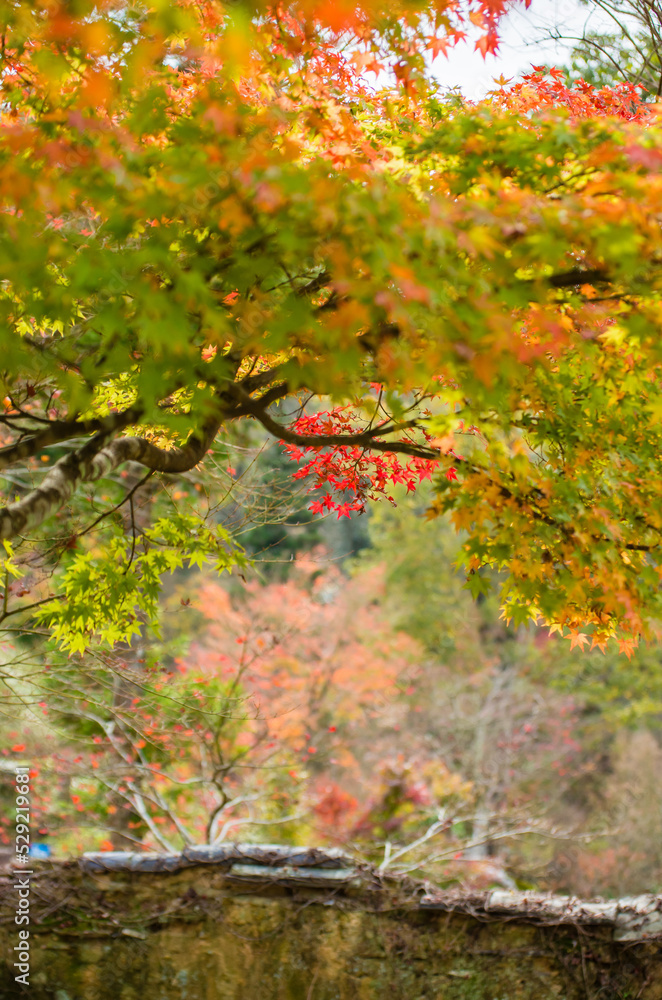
x=215, y=213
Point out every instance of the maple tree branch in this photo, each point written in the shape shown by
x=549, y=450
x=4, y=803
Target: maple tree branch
x=96, y=459
x=127, y=497
x=64, y=430
x=367, y=438
x=529, y=502
x=260, y=380
x=270, y=396
x=570, y=279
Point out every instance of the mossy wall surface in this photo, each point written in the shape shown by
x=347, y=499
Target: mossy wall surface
x=192, y=936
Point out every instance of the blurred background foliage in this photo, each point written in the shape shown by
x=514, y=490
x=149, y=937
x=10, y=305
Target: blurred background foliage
x=343, y=688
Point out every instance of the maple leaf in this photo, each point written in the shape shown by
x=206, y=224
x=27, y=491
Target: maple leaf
x=344, y=510
x=437, y=44
x=627, y=645
x=368, y=61
x=577, y=639
x=487, y=43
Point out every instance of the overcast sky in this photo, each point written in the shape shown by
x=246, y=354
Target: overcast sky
x=522, y=45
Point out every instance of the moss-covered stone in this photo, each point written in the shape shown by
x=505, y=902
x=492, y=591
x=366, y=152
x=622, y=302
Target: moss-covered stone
x=196, y=936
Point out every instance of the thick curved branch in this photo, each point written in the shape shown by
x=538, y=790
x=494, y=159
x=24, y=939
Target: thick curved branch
x=96, y=459
x=276, y=392
x=64, y=430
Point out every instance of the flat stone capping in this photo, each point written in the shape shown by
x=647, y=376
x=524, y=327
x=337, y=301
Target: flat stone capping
x=223, y=856
x=633, y=918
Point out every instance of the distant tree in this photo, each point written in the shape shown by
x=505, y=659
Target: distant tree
x=626, y=48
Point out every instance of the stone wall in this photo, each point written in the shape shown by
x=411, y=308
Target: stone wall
x=260, y=932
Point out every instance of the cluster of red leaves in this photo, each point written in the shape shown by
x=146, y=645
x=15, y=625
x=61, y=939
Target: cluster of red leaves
x=353, y=473
x=545, y=88
x=446, y=17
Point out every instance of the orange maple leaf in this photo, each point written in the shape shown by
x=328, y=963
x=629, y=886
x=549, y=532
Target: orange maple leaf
x=577, y=639
x=488, y=43
x=436, y=45
x=627, y=646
